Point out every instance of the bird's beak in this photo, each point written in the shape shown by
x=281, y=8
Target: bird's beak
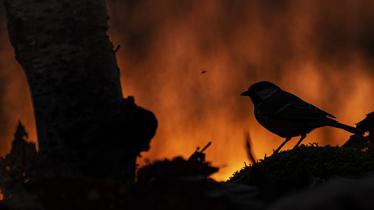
x=245, y=93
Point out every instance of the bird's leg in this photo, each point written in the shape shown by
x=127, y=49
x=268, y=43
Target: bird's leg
x=280, y=146
x=300, y=140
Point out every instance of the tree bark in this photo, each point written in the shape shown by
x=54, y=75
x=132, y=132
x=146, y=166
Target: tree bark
x=74, y=79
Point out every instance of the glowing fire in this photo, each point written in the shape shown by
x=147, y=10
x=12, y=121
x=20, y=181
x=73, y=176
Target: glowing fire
x=291, y=44
x=318, y=51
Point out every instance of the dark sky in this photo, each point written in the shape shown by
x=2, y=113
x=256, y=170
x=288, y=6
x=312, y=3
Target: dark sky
x=333, y=29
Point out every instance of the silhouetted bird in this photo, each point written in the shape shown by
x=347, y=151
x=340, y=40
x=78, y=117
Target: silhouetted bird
x=286, y=114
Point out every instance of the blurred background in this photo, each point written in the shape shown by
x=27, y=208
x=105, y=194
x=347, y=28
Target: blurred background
x=189, y=60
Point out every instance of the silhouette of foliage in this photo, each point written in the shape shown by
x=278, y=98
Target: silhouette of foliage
x=305, y=166
x=367, y=124
x=360, y=141
x=16, y=164
x=171, y=169
x=184, y=184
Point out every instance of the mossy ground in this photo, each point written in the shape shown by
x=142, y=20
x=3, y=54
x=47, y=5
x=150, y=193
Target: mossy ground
x=306, y=166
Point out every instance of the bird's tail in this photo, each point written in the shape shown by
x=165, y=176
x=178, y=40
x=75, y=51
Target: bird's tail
x=345, y=127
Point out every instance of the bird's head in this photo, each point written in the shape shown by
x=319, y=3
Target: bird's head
x=261, y=91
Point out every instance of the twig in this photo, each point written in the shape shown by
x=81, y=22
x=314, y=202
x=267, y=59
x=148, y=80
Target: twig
x=248, y=147
x=115, y=50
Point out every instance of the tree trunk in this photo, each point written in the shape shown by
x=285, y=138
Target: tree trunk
x=74, y=80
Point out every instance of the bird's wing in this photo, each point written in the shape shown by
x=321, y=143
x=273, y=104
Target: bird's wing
x=292, y=107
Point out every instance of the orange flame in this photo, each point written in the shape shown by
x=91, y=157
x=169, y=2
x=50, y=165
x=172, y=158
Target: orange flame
x=236, y=44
